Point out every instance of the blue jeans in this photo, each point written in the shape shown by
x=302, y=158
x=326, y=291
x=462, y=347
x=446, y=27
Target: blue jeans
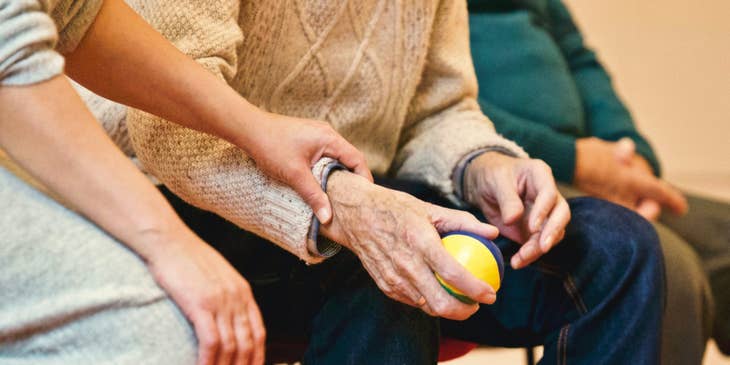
x=597, y=298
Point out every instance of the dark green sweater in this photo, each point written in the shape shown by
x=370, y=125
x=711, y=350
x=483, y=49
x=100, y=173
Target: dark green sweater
x=541, y=86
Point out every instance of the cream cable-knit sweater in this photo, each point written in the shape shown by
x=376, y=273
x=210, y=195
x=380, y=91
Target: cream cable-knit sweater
x=393, y=77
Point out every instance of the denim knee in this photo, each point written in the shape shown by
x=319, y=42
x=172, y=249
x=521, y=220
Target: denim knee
x=616, y=247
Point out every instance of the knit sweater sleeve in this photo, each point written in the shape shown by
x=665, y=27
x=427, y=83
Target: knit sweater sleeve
x=204, y=170
x=606, y=114
x=445, y=123
x=29, y=41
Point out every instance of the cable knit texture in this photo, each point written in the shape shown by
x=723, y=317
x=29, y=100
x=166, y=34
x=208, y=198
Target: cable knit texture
x=393, y=77
x=28, y=36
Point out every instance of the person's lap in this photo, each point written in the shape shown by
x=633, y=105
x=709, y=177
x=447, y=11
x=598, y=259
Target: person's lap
x=321, y=302
x=71, y=294
x=690, y=311
x=706, y=228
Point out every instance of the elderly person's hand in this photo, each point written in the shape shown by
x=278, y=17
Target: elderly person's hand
x=520, y=197
x=396, y=237
x=613, y=171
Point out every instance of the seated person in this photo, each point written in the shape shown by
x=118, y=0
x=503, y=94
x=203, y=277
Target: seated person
x=396, y=80
x=544, y=89
x=71, y=293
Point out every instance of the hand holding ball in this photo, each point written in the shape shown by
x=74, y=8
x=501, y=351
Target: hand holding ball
x=479, y=255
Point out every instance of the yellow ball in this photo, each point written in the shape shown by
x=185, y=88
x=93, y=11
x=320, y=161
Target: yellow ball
x=479, y=255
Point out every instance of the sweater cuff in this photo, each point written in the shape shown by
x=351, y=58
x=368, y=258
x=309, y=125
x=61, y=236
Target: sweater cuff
x=460, y=170
x=317, y=246
x=73, y=19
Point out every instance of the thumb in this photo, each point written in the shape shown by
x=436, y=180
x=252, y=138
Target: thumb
x=311, y=192
x=624, y=150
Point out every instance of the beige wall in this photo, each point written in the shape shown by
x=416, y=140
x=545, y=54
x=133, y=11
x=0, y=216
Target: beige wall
x=671, y=63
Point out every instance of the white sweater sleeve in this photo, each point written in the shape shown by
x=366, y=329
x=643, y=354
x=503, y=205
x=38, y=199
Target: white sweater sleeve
x=29, y=37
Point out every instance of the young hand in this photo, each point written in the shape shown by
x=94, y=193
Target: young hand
x=286, y=148
x=212, y=295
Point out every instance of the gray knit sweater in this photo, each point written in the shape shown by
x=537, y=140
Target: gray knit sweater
x=30, y=45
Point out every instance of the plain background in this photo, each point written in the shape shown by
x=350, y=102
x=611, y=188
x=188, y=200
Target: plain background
x=670, y=62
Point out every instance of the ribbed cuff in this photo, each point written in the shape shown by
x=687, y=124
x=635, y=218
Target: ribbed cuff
x=460, y=170
x=316, y=245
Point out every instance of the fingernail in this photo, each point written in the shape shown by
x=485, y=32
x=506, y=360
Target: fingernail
x=323, y=215
x=490, y=298
x=515, y=261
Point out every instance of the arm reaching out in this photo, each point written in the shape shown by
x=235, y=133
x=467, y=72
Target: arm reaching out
x=134, y=65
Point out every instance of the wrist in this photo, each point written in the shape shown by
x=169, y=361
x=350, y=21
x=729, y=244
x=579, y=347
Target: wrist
x=346, y=191
x=248, y=127
x=478, y=166
x=152, y=243
x=582, y=161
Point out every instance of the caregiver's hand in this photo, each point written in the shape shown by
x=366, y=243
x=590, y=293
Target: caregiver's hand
x=212, y=295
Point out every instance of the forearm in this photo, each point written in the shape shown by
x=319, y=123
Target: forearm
x=136, y=66
x=47, y=130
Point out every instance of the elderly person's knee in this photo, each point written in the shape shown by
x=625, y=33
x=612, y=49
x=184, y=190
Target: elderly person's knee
x=613, y=241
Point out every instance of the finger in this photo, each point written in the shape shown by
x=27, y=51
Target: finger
x=244, y=340
x=545, y=202
x=227, y=339
x=208, y=337
x=556, y=223
x=258, y=332
x=658, y=190
x=404, y=270
x=510, y=204
x=389, y=281
x=351, y=157
x=304, y=183
x=527, y=254
x=447, y=220
x=451, y=271
x=436, y=300
x=649, y=209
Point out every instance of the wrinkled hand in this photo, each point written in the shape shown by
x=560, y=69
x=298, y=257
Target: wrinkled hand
x=520, y=197
x=213, y=296
x=285, y=148
x=396, y=237
x=613, y=171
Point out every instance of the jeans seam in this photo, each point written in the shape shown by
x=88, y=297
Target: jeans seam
x=569, y=286
x=563, y=345
x=574, y=294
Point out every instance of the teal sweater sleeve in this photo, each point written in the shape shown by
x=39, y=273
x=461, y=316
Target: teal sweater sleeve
x=555, y=148
x=607, y=117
